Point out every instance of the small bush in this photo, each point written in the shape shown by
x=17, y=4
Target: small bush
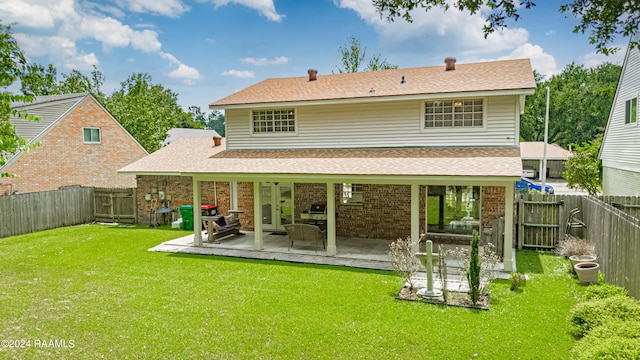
x=616, y=328
x=403, y=258
x=587, y=315
x=603, y=291
x=516, y=280
x=572, y=245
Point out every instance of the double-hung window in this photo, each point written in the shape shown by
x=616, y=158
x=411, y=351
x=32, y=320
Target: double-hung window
x=274, y=121
x=454, y=113
x=631, y=111
x=91, y=135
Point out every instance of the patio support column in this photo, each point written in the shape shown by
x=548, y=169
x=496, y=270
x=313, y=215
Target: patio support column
x=331, y=219
x=197, y=215
x=508, y=228
x=415, y=212
x=257, y=217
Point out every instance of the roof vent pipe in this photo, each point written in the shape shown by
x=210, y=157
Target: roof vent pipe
x=451, y=63
x=313, y=74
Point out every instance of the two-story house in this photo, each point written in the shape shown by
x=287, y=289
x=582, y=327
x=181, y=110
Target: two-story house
x=388, y=153
x=620, y=150
x=80, y=144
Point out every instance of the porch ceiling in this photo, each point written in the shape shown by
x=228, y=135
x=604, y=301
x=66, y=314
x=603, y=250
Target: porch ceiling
x=199, y=156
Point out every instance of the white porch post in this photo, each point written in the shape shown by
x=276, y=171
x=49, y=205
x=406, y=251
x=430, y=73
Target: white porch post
x=257, y=217
x=508, y=228
x=331, y=219
x=197, y=216
x=415, y=211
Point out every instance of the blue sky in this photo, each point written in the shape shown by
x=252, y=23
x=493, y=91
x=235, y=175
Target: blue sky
x=207, y=49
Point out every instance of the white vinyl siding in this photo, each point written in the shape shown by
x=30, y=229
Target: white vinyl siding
x=621, y=148
x=620, y=182
x=375, y=125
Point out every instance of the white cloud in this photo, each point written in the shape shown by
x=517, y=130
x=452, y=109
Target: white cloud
x=264, y=61
x=40, y=14
x=112, y=33
x=186, y=73
x=541, y=61
x=245, y=74
x=264, y=7
x=550, y=32
x=171, y=8
x=436, y=31
x=60, y=49
x=592, y=59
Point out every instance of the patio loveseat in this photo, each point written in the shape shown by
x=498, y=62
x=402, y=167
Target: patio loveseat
x=305, y=232
x=220, y=226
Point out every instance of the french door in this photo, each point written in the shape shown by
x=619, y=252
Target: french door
x=276, y=199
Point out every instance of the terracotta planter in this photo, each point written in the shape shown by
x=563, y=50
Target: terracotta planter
x=576, y=259
x=217, y=141
x=587, y=271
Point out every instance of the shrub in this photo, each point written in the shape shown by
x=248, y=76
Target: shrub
x=572, y=245
x=442, y=270
x=488, y=261
x=516, y=280
x=587, y=315
x=474, y=268
x=604, y=290
x=403, y=259
x=615, y=339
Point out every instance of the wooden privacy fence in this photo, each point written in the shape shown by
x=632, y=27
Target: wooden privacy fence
x=24, y=213
x=115, y=205
x=616, y=236
x=627, y=204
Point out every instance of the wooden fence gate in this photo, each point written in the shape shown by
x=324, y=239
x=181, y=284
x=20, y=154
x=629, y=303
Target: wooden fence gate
x=115, y=205
x=542, y=218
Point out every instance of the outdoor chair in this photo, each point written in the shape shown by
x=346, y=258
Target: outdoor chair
x=305, y=232
x=573, y=221
x=219, y=226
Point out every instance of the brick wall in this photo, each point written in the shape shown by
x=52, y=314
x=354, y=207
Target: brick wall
x=180, y=188
x=64, y=159
x=492, y=204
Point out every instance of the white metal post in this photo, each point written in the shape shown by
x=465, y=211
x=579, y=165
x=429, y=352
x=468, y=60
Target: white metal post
x=508, y=228
x=331, y=220
x=257, y=217
x=415, y=212
x=197, y=216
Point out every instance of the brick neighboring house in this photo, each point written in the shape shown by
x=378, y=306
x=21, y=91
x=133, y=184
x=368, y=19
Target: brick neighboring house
x=390, y=153
x=80, y=144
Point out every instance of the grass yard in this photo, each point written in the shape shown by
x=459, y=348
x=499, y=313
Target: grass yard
x=99, y=287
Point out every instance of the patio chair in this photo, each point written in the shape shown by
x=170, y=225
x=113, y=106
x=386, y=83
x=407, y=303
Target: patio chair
x=573, y=221
x=305, y=232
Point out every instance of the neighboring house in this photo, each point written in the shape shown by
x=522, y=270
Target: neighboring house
x=620, y=150
x=180, y=133
x=80, y=144
x=532, y=153
x=388, y=154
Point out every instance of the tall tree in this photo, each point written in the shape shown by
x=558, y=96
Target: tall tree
x=145, y=109
x=603, y=19
x=12, y=65
x=213, y=121
x=584, y=169
x=39, y=80
x=579, y=106
x=353, y=58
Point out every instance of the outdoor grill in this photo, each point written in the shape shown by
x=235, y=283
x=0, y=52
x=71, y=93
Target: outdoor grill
x=318, y=209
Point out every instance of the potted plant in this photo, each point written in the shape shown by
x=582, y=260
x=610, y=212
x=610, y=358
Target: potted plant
x=587, y=271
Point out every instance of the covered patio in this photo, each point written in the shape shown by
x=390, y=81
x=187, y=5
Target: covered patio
x=353, y=252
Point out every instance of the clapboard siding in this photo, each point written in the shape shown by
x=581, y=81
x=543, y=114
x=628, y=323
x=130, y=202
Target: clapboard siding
x=392, y=124
x=620, y=182
x=48, y=113
x=621, y=148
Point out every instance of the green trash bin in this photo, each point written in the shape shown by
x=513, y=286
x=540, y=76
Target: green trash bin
x=186, y=211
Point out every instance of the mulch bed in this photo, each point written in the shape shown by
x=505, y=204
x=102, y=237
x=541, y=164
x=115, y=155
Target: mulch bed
x=455, y=298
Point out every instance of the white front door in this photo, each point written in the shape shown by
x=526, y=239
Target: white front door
x=277, y=205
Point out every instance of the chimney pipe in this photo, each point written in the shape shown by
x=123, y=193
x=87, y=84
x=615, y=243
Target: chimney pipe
x=451, y=63
x=313, y=74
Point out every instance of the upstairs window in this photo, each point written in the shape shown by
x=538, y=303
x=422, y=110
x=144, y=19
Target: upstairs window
x=454, y=113
x=631, y=111
x=91, y=135
x=351, y=194
x=274, y=121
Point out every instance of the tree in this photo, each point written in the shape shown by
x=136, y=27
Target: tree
x=12, y=65
x=146, y=110
x=579, y=106
x=353, y=57
x=584, y=169
x=39, y=80
x=603, y=19
x=213, y=121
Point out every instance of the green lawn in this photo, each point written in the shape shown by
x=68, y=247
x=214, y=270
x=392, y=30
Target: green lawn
x=101, y=288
